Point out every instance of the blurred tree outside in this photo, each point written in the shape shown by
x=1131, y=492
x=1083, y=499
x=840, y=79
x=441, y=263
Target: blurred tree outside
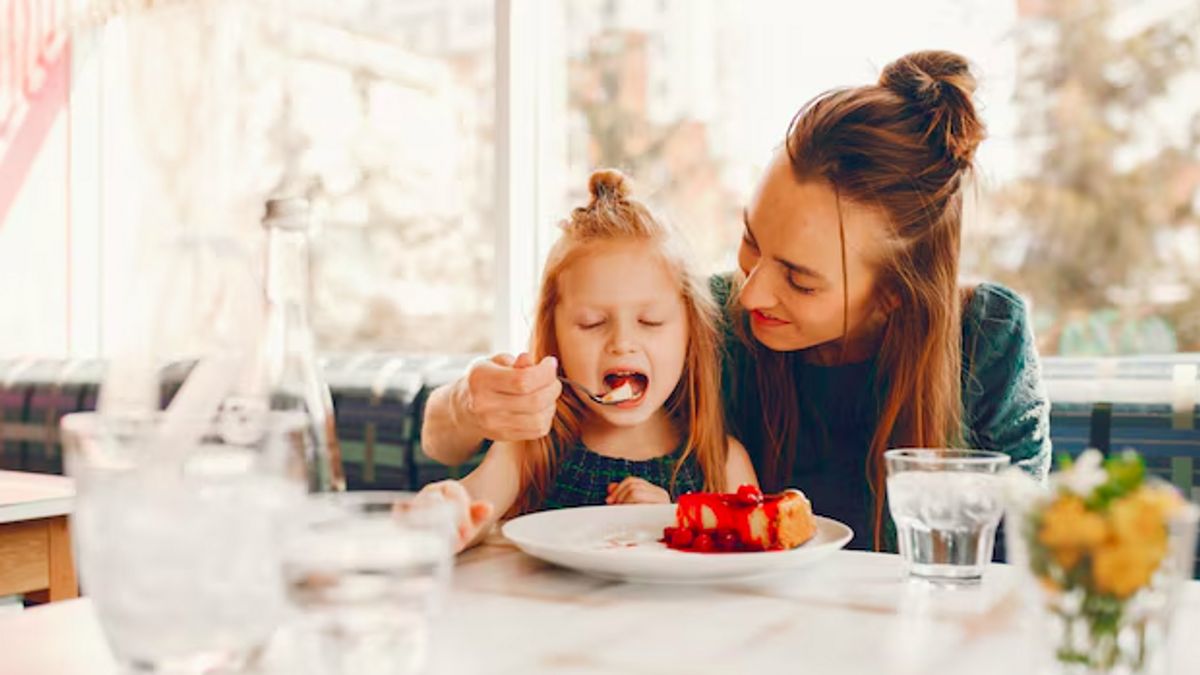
x=671, y=163
x=383, y=122
x=1104, y=227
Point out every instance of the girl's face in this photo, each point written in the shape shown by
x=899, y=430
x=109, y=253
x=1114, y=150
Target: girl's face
x=621, y=318
x=791, y=256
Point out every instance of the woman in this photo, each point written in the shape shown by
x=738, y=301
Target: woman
x=847, y=332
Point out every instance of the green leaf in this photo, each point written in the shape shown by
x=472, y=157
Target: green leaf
x=1064, y=461
x=1126, y=473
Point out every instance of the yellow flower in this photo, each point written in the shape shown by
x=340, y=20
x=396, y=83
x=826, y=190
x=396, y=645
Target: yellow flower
x=1069, y=529
x=1050, y=586
x=1164, y=498
x=1138, y=543
x=1140, y=520
x=1121, y=569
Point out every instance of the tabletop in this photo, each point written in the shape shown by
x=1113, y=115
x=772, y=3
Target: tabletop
x=850, y=613
x=28, y=496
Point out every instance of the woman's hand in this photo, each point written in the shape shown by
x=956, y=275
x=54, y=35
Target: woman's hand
x=635, y=490
x=510, y=399
x=471, y=515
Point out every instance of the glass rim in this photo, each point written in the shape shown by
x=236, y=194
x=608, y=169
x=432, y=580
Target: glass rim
x=938, y=456
x=351, y=497
x=84, y=421
x=369, y=501
x=321, y=511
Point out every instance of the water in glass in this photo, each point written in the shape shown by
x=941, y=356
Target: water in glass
x=366, y=576
x=190, y=580
x=946, y=508
x=180, y=557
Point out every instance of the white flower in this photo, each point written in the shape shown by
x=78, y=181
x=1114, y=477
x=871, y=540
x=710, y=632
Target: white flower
x=1085, y=475
x=1020, y=489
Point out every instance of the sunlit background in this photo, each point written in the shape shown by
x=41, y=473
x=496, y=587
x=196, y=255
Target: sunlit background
x=441, y=141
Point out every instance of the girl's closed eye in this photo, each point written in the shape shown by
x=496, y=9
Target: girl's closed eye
x=588, y=320
x=651, y=322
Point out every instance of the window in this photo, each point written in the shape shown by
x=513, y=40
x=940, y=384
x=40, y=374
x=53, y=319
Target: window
x=394, y=136
x=1088, y=188
x=381, y=113
x=442, y=140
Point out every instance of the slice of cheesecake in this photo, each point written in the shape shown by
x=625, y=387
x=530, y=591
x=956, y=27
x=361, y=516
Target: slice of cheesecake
x=746, y=520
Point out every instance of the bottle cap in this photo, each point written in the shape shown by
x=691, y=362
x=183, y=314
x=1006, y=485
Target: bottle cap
x=289, y=213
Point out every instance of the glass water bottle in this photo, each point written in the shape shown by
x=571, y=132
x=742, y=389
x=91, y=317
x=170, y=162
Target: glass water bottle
x=295, y=380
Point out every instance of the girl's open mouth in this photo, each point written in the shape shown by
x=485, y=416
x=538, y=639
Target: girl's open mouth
x=626, y=388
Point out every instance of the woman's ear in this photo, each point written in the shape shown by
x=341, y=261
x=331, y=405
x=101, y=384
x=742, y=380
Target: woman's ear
x=889, y=301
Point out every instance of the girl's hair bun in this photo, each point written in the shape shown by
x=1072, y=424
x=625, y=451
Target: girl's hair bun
x=608, y=184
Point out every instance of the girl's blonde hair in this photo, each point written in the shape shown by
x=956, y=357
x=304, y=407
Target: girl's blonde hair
x=695, y=404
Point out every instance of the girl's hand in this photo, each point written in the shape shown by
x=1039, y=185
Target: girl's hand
x=471, y=515
x=634, y=490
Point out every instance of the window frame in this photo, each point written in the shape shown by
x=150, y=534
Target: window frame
x=530, y=76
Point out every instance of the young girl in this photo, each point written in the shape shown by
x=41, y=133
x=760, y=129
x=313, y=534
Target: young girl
x=619, y=308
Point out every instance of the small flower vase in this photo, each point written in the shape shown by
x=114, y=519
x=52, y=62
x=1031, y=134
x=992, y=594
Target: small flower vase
x=1101, y=578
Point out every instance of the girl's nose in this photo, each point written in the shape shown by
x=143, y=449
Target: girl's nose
x=620, y=340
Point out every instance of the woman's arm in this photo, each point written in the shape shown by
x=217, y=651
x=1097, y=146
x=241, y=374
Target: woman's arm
x=1005, y=402
x=447, y=432
x=739, y=470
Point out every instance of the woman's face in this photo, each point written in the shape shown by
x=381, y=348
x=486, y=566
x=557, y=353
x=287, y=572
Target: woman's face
x=791, y=255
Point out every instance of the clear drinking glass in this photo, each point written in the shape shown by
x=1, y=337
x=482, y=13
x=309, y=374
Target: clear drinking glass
x=946, y=505
x=177, y=530
x=366, y=572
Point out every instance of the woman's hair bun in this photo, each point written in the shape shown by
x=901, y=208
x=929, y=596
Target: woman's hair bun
x=940, y=84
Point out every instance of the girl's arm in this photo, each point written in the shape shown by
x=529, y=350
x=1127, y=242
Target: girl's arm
x=739, y=470
x=486, y=494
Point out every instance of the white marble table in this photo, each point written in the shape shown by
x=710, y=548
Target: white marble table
x=508, y=613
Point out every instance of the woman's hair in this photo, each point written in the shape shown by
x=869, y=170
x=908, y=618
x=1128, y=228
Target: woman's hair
x=694, y=406
x=903, y=147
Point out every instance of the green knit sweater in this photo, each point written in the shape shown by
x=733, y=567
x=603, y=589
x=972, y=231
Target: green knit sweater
x=1005, y=407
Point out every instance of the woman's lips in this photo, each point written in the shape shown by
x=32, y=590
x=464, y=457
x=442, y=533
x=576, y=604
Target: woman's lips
x=766, y=320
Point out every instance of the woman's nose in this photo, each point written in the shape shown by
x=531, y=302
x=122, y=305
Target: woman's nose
x=756, y=292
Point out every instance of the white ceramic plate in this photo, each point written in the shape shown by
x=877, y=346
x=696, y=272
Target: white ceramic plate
x=621, y=542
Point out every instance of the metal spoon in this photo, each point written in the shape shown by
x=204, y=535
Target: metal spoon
x=607, y=397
